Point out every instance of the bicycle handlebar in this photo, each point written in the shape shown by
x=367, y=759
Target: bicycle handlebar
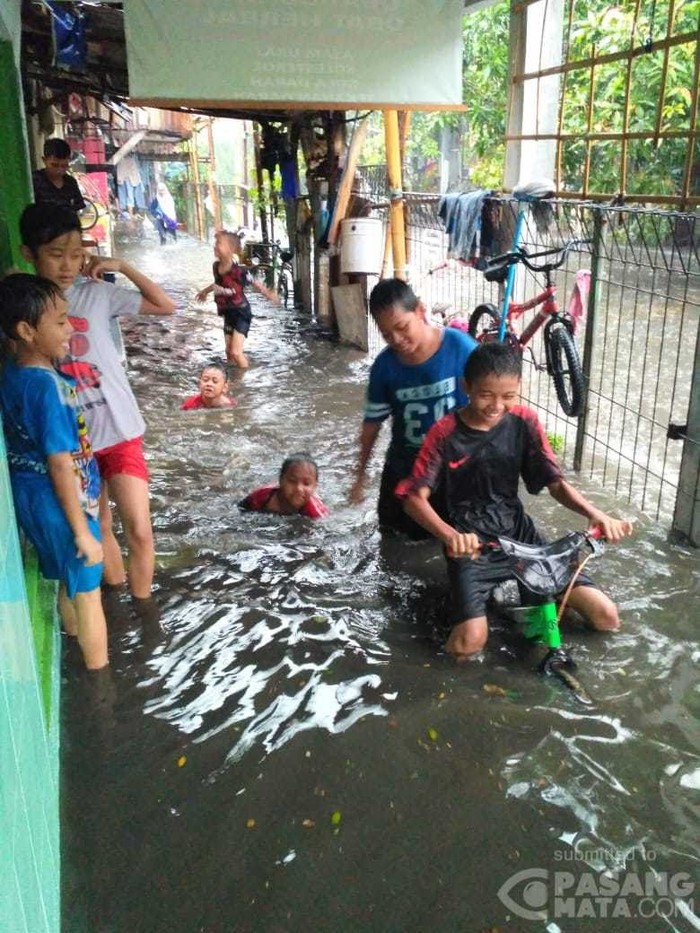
x=497, y=263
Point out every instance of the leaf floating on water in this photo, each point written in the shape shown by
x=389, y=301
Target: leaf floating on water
x=336, y=817
x=250, y=824
x=308, y=824
x=182, y=761
x=494, y=690
x=433, y=734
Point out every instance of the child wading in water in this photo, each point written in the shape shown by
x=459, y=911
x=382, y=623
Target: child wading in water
x=295, y=494
x=230, y=278
x=51, y=241
x=213, y=390
x=479, y=453
x=55, y=480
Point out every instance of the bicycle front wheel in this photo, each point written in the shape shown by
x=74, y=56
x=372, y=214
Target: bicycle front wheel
x=484, y=322
x=565, y=369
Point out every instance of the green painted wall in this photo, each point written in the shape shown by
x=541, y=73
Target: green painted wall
x=29, y=736
x=15, y=178
x=29, y=637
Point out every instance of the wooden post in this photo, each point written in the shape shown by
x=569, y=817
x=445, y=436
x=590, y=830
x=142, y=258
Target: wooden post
x=261, y=189
x=198, y=207
x=393, y=167
x=303, y=297
x=213, y=187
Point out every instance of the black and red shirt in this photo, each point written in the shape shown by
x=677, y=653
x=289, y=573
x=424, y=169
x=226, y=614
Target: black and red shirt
x=235, y=279
x=480, y=471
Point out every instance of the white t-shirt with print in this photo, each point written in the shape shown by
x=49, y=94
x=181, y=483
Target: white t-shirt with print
x=104, y=392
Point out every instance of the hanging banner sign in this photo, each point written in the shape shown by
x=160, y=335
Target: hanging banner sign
x=296, y=53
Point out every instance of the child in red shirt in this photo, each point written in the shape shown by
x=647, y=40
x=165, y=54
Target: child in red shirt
x=213, y=390
x=295, y=494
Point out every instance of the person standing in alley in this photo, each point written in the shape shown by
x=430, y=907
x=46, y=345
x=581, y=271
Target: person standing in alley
x=52, y=242
x=230, y=278
x=415, y=380
x=54, y=477
x=53, y=184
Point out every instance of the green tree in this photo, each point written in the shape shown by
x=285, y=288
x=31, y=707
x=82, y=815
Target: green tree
x=654, y=166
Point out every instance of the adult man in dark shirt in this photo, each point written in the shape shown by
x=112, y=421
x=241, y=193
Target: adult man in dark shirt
x=51, y=183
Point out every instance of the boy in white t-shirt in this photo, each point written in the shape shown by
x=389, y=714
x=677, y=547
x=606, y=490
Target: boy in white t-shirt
x=51, y=239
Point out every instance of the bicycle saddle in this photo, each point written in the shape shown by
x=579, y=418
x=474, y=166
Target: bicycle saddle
x=534, y=190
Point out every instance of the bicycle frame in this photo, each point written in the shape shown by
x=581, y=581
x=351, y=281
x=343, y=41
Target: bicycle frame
x=544, y=570
x=510, y=281
x=550, y=307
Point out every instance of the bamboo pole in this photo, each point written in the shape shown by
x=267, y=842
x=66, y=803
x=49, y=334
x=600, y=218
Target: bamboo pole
x=345, y=189
x=396, y=215
x=198, y=208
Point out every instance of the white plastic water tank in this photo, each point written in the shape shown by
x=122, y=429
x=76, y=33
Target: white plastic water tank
x=361, y=245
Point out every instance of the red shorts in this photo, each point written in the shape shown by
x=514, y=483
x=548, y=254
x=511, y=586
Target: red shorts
x=123, y=458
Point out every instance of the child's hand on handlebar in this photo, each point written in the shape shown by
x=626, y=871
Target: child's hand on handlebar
x=612, y=529
x=463, y=544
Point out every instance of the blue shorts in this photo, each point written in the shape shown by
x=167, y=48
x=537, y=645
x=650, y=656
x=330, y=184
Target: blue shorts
x=237, y=319
x=43, y=521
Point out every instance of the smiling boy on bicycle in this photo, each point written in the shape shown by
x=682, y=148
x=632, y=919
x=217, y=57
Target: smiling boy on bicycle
x=479, y=453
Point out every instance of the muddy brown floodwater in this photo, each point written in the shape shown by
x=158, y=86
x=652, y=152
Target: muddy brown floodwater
x=296, y=753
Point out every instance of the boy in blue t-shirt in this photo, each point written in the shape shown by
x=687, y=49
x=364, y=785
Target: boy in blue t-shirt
x=415, y=380
x=55, y=481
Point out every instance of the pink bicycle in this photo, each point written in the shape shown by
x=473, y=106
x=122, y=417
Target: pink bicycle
x=563, y=362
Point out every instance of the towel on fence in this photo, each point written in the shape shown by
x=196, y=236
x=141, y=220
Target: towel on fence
x=461, y=214
x=578, y=303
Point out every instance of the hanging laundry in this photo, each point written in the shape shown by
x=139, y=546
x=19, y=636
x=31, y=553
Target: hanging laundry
x=129, y=184
x=461, y=214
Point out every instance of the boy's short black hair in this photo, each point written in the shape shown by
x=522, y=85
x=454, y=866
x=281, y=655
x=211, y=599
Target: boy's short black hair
x=25, y=298
x=58, y=148
x=42, y=223
x=390, y=292
x=301, y=456
x=493, y=359
x=218, y=366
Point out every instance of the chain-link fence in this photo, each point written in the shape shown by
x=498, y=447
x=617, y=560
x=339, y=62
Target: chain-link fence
x=637, y=343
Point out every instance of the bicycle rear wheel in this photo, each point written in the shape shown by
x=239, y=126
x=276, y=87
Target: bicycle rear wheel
x=565, y=369
x=89, y=215
x=283, y=289
x=484, y=321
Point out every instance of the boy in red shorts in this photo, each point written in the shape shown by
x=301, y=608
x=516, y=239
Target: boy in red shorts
x=51, y=238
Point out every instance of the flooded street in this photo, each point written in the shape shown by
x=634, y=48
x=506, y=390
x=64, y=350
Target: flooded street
x=296, y=753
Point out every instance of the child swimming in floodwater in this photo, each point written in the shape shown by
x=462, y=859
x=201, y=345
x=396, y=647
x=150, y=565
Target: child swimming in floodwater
x=213, y=390
x=295, y=494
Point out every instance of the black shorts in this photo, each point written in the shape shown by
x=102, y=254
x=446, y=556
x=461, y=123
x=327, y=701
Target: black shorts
x=472, y=581
x=390, y=508
x=237, y=319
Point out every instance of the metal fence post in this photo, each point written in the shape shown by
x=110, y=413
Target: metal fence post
x=597, y=253
x=686, y=515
